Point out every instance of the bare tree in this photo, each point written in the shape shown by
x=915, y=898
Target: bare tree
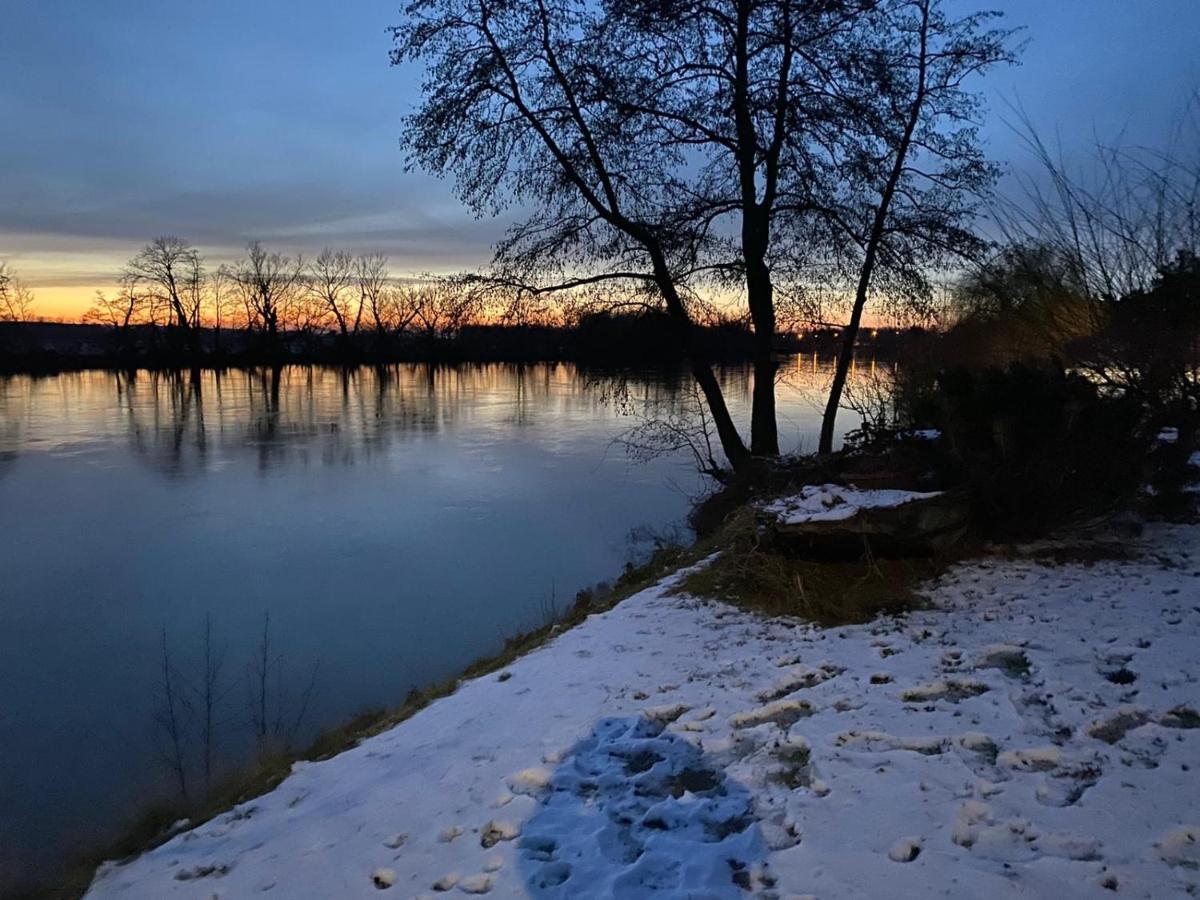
x=1117, y=220
x=921, y=172
x=679, y=424
x=371, y=280
x=439, y=307
x=512, y=107
x=130, y=305
x=1101, y=264
x=270, y=285
x=223, y=304
x=332, y=281
x=16, y=300
x=751, y=95
x=718, y=147
x=173, y=271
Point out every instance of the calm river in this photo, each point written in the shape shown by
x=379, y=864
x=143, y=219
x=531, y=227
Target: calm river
x=394, y=523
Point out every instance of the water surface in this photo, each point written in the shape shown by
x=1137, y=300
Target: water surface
x=394, y=523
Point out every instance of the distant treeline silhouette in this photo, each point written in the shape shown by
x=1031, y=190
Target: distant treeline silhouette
x=173, y=310
x=608, y=338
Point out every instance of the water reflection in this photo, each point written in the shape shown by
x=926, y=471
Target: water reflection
x=183, y=422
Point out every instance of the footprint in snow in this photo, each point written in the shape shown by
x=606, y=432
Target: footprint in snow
x=949, y=690
x=477, y=884
x=446, y=882
x=1180, y=847
x=1008, y=658
x=495, y=832
x=1113, y=728
x=636, y=809
x=783, y=713
x=194, y=872
x=383, y=878
x=905, y=850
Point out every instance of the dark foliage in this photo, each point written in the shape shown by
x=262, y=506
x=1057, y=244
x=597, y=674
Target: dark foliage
x=1150, y=347
x=609, y=337
x=1037, y=446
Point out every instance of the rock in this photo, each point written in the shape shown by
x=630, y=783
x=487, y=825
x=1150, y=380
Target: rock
x=832, y=522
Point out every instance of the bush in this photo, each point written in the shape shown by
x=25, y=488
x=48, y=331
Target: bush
x=1037, y=446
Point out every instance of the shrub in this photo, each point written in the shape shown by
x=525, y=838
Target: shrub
x=1038, y=446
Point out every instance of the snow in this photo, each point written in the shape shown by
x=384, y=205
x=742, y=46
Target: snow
x=647, y=752
x=1168, y=436
x=834, y=503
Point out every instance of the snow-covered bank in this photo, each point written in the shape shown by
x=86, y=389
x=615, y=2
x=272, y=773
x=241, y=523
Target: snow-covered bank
x=1034, y=734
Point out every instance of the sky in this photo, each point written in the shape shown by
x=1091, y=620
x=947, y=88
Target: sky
x=224, y=121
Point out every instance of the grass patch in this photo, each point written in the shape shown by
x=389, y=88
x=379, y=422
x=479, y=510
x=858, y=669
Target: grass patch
x=751, y=575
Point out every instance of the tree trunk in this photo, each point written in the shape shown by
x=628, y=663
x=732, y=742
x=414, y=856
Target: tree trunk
x=764, y=431
x=732, y=444
x=845, y=358
x=756, y=238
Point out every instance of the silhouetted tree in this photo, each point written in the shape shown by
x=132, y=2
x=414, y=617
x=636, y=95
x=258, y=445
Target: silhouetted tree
x=439, y=308
x=269, y=284
x=1149, y=347
x=173, y=271
x=16, y=300
x=1120, y=217
x=222, y=303
x=685, y=148
x=1100, y=262
x=371, y=281
x=331, y=279
x=911, y=189
x=130, y=305
x=515, y=107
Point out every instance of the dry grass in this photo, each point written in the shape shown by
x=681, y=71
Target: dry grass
x=751, y=575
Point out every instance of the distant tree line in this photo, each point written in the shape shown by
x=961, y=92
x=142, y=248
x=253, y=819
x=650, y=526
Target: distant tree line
x=168, y=286
x=172, y=308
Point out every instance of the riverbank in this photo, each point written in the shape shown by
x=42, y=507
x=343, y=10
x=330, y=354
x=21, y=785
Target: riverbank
x=1033, y=730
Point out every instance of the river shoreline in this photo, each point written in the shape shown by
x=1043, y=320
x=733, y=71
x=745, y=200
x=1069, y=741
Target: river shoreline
x=997, y=757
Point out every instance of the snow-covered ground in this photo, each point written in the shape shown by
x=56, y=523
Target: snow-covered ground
x=1034, y=734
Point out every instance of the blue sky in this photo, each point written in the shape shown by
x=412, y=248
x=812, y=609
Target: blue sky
x=224, y=121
